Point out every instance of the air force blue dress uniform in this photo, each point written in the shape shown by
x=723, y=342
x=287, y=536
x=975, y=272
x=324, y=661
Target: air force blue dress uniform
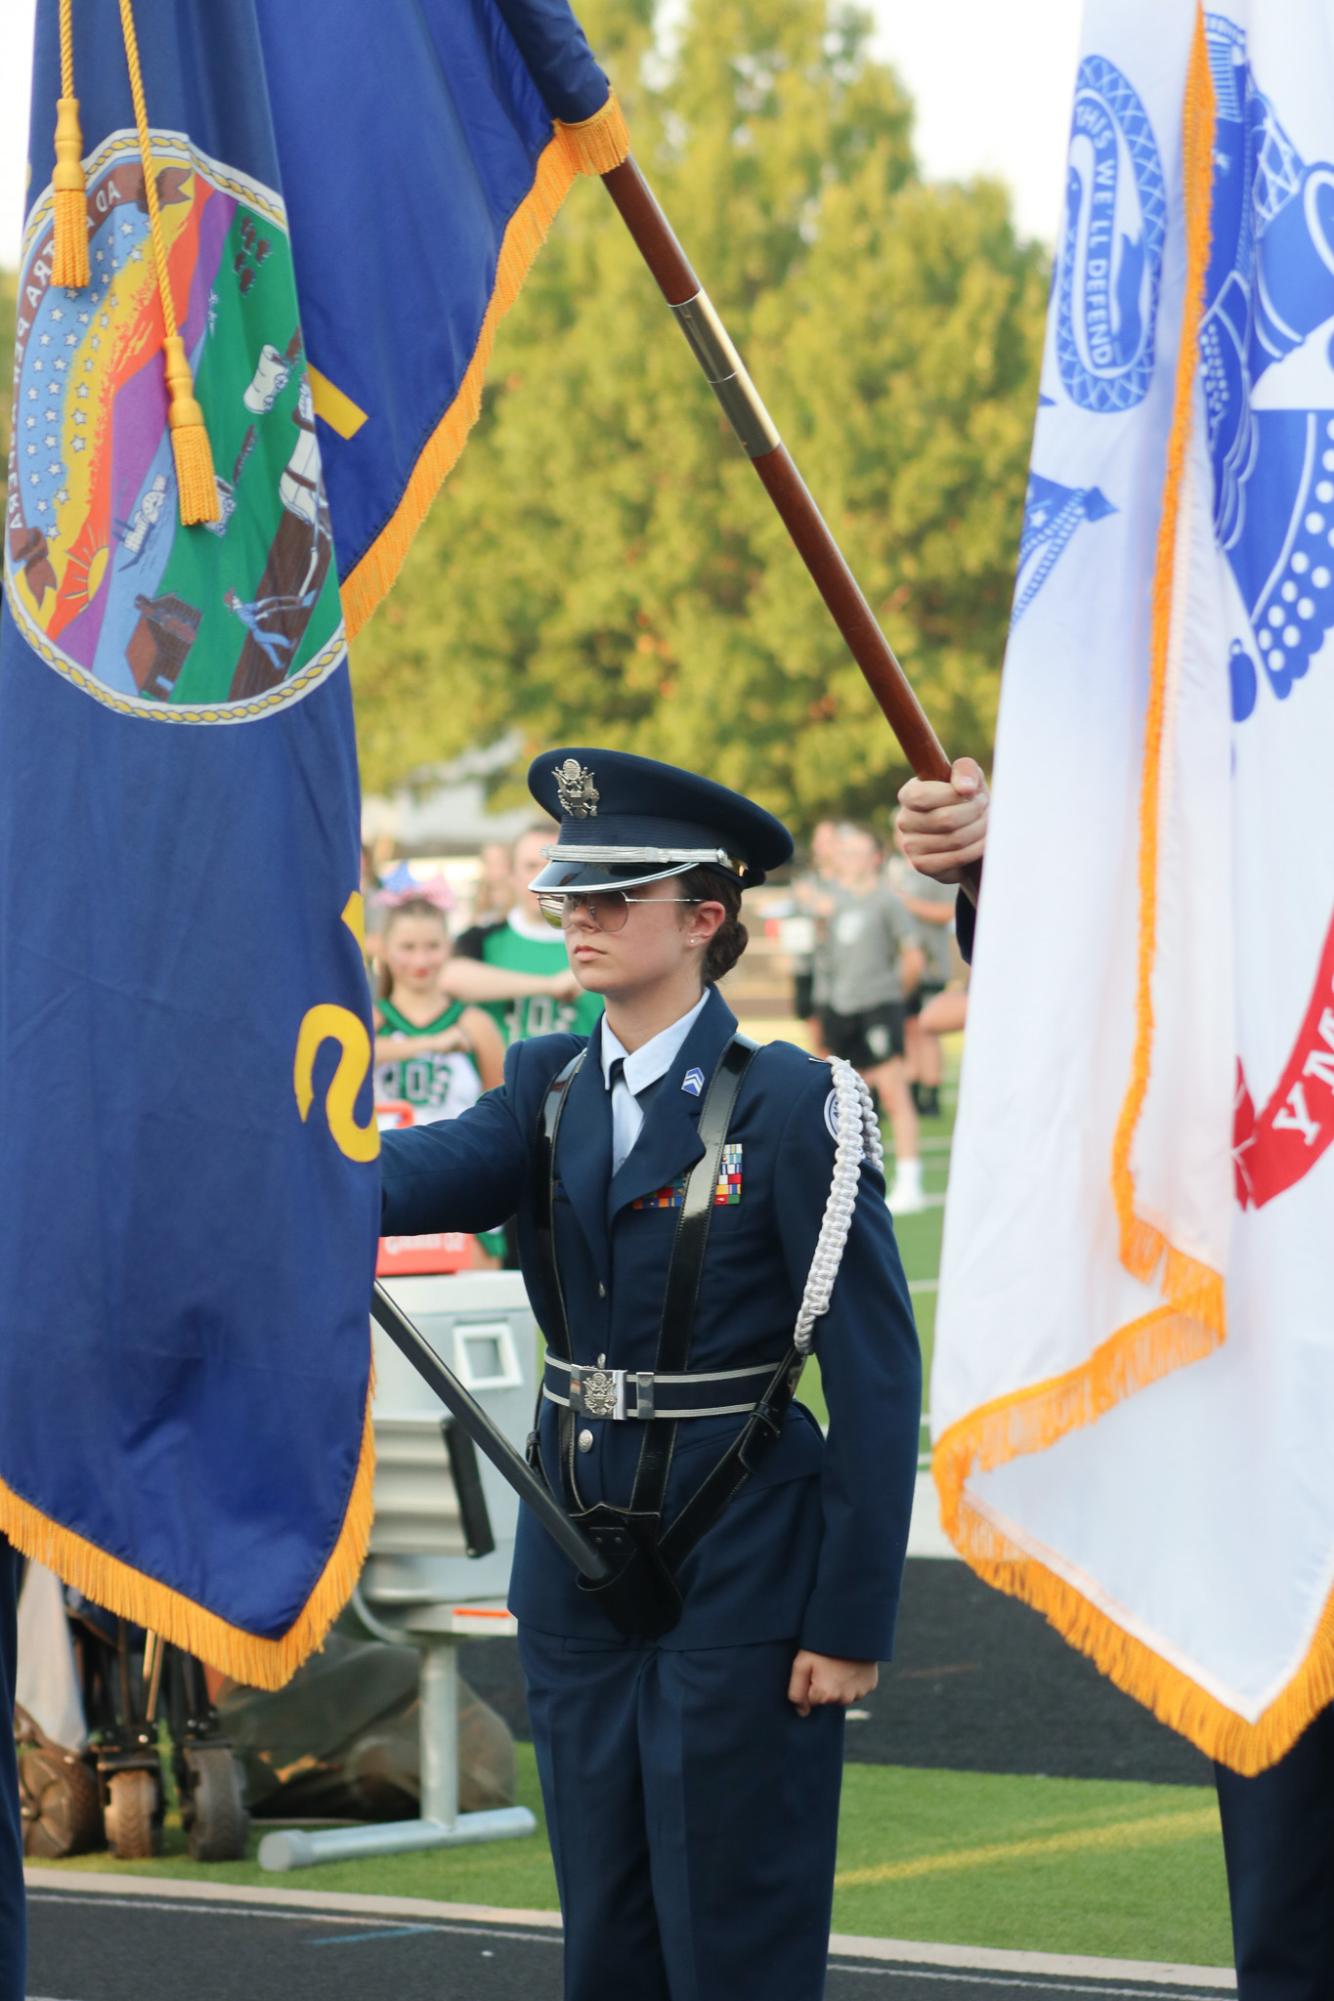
x=692, y=1812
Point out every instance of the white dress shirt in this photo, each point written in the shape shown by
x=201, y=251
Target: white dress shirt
x=642, y=1066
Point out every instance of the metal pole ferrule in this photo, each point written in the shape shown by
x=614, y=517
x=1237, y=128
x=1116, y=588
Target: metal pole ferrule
x=714, y=350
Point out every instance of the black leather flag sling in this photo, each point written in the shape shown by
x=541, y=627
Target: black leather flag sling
x=642, y=1595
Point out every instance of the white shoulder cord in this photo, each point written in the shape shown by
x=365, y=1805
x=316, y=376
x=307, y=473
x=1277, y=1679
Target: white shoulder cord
x=858, y=1138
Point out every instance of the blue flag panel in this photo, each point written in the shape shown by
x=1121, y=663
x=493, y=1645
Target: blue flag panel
x=330, y=209
x=468, y=121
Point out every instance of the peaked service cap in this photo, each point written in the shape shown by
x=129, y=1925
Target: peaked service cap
x=626, y=820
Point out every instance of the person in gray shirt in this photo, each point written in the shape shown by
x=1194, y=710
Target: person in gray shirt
x=931, y=906
x=874, y=961
x=812, y=897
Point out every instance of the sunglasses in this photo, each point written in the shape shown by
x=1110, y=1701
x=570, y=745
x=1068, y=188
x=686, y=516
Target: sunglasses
x=607, y=909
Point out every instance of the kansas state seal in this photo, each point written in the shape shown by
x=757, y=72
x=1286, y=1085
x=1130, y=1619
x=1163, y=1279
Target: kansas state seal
x=214, y=624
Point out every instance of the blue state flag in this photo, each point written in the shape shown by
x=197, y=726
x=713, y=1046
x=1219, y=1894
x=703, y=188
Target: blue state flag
x=300, y=228
x=425, y=154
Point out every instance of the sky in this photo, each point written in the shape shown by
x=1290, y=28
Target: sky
x=992, y=83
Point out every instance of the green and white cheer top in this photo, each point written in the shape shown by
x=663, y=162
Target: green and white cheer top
x=436, y=1085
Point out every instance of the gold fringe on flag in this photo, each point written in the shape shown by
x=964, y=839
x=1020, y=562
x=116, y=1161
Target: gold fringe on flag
x=1142, y=1245
x=146, y=1601
x=594, y=146
x=1175, y=1699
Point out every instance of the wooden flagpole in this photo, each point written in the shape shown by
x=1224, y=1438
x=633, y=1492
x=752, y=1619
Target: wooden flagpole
x=726, y=372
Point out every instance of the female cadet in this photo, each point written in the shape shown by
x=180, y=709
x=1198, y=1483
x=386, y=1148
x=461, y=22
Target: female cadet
x=670, y=1182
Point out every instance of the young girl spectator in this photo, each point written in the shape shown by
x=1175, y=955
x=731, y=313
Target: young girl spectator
x=431, y=1052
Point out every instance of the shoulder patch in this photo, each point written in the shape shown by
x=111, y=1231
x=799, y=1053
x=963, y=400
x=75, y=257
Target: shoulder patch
x=831, y=1121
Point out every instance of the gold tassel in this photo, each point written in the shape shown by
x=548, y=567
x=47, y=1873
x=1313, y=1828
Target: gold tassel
x=197, y=486
x=189, y=439
x=70, y=261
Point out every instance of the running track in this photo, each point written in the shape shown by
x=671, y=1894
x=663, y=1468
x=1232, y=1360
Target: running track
x=114, y=1939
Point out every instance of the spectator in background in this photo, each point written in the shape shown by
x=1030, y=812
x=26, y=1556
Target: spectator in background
x=807, y=933
x=464, y=978
x=370, y=886
x=431, y=1053
x=495, y=884
x=526, y=958
x=931, y=906
x=874, y=962
x=374, y=907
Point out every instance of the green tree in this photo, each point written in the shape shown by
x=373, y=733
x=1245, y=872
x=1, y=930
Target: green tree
x=603, y=564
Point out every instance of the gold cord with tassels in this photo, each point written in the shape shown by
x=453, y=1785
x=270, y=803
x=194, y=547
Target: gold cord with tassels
x=69, y=264
x=189, y=439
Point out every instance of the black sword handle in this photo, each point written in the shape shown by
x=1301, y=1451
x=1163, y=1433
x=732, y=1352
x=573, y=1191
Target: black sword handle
x=412, y=1343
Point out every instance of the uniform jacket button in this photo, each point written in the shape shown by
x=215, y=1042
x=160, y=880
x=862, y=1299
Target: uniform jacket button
x=585, y=1441
x=602, y=1290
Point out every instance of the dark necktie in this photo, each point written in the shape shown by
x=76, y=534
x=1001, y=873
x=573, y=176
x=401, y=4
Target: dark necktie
x=643, y=1097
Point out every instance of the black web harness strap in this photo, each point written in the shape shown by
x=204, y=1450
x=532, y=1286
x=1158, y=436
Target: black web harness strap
x=642, y=1595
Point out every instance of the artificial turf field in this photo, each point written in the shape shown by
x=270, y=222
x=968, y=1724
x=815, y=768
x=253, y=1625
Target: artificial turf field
x=998, y=1792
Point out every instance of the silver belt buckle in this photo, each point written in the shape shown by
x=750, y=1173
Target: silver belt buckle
x=599, y=1392
x=602, y=1393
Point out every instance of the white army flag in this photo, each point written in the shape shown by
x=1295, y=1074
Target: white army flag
x=1134, y=1373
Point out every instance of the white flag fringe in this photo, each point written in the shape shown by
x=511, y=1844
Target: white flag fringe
x=1134, y=1372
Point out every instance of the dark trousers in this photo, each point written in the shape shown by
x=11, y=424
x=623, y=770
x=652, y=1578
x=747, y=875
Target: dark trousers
x=13, y=1921
x=1278, y=1838
x=693, y=1818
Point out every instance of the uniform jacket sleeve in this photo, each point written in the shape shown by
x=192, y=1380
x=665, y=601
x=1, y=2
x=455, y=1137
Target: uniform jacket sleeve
x=872, y=1375
x=469, y=1173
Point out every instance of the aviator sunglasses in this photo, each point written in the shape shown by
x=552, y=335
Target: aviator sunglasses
x=607, y=908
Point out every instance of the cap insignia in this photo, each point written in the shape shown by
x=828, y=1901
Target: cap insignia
x=575, y=789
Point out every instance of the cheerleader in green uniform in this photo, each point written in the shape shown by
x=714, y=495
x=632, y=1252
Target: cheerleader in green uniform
x=432, y=1053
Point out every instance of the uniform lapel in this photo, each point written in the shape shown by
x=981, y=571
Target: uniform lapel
x=669, y=1143
x=583, y=1149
